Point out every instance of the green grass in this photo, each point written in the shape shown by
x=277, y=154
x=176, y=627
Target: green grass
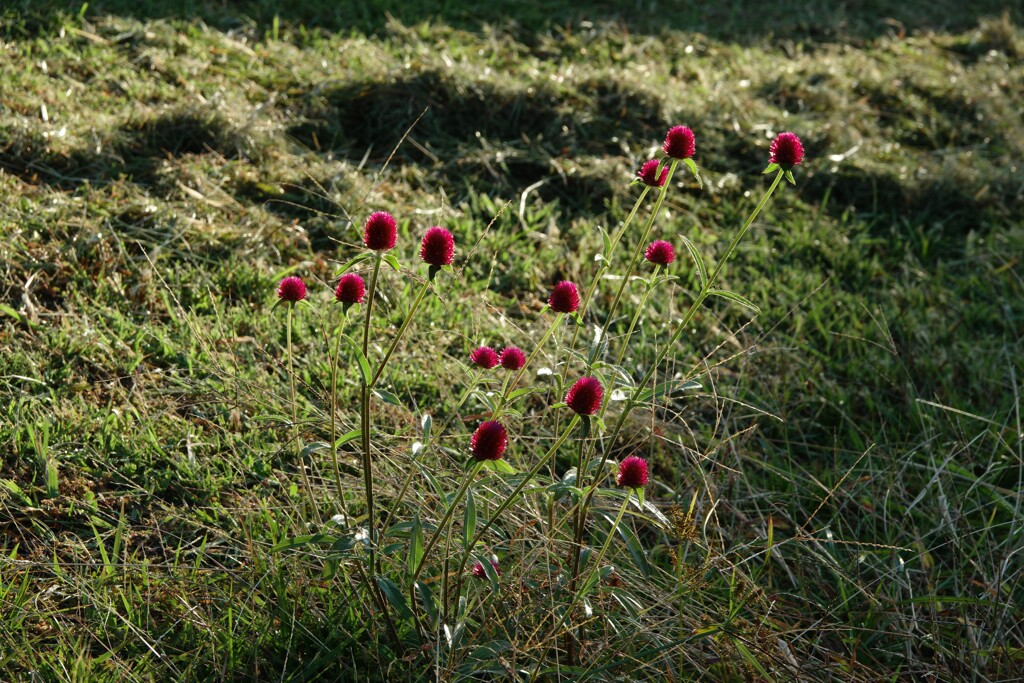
x=164, y=164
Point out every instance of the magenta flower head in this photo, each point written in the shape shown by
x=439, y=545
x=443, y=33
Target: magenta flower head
x=786, y=150
x=565, y=298
x=488, y=441
x=484, y=357
x=380, y=231
x=350, y=290
x=438, y=247
x=291, y=289
x=648, y=173
x=679, y=143
x=632, y=473
x=660, y=252
x=585, y=396
x=478, y=570
x=512, y=358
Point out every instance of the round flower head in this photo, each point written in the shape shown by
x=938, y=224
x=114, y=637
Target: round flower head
x=632, y=473
x=484, y=357
x=438, y=247
x=585, y=396
x=565, y=298
x=488, y=441
x=512, y=358
x=291, y=289
x=350, y=290
x=679, y=143
x=648, y=173
x=478, y=570
x=380, y=231
x=660, y=252
x=786, y=150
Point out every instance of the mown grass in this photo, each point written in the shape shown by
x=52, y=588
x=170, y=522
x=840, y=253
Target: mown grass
x=163, y=164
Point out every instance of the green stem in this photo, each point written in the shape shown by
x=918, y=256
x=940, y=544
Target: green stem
x=466, y=481
x=638, y=250
x=401, y=331
x=334, y=422
x=636, y=316
x=519, y=375
x=295, y=419
x=508, y=501
x=364, y=414
x=703, y=294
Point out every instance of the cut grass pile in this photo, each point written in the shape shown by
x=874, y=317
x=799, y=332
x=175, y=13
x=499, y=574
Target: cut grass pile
x=163, y=164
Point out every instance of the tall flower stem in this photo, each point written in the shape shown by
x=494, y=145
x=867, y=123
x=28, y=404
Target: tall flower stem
x=705, y=291
x=401, y=332
x=334, y=421
x=441, y=527
x=364, y=396
x=576, y=595
x=639, y=250
x=519, y=375
x=295, y=419
x=512, y=497
x=578, y=522
x=636, y=315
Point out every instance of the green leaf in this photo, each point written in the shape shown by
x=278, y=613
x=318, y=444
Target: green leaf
x=692, y=165
x=362, y=257
x=364, y=365
x=415, y=544
x=428, y=600
x=469, y=519
x=299, y=541
x=733, y=296
x=499, y=466
x=747, y=655
x=350, y=436
x=393, y=262
x=520, y=392
x=667, y=388
x=771, y=169
x=698, y=260
x=427, y=422
x=16, y=491
x=395, y=596
x=387, y=397
x=790, y=178
x=489, y=571
x=313, y=448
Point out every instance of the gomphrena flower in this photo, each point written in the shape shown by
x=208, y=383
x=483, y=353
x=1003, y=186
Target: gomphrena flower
x=350, y=290
x=679, y=143
x=380, y=231
x=585, y=396
x=484, y=357
x=632, y=473
x=291, y=289
x=478, y=569
x=438, y=247
x=565, y=298
x=660, y=252
x=648, y=173
x=512, y=358
x=786, y=150
x=488, y=441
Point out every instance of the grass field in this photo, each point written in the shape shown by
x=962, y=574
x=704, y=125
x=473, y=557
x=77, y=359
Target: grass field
x=843, y=494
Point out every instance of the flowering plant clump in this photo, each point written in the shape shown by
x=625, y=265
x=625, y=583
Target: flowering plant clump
x=648, y=173
x=565, y=298
x=488, y=441
x=584, y=397
x=786, y=150
x=484, y=357
x=512, y=358
x=350, y=290
x=660, y=252
x=380, y=232
x=632, y=472
x=291, y=289
x=437, y=247
x=679, y=143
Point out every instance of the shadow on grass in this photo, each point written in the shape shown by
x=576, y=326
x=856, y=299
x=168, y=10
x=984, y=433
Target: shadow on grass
x=741, y=21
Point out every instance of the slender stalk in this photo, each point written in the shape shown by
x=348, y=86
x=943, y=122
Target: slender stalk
x=295, y=419
x=578, y=521
x=364, y=415
x=636, y=316
x=576, y=595
x=508, y=501
x=638, y=250
x=466, y=481
x=687, y=318
x=401, y=331
x=334, y=422
x=519, y=375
